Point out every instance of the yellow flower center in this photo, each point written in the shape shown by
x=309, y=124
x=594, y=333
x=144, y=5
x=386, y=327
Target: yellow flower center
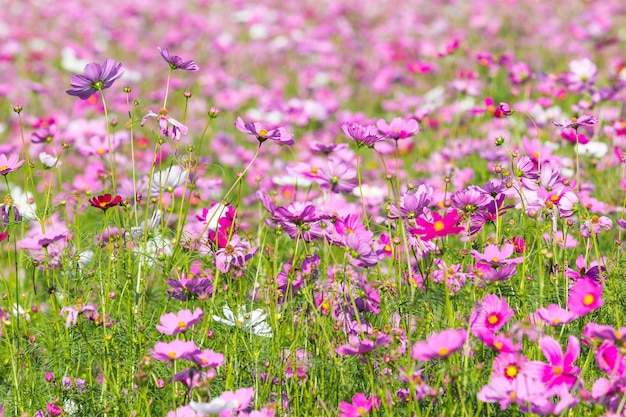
x=4, y=167
x=493, y=319
x=361, y=411
x=588, y=299
x=172, y=354
x=439, y=226
x=100, y=151
x=182, y=324
x=511, y=371
x=556, y=321
x=498, y=345
x=557, y=370
x=495, y=259
x=443, y=351
x=263, y=133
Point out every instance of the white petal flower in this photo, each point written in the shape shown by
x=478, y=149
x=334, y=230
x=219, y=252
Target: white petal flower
x=253, y=322
x=216, y=406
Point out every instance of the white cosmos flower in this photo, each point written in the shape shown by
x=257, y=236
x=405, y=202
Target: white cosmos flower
x=168, y=179
x=49, y=161
x=253, y=322
x=214, y=407
x=593, y=149
x=24, y=202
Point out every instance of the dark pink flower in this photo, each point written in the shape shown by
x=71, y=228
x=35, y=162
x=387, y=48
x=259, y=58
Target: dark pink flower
x=560, y=369
x=585, y=296
x=360, y=406
x=490, y=314
x=441, y=226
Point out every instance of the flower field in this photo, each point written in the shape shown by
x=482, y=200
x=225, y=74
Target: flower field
x=339, y=208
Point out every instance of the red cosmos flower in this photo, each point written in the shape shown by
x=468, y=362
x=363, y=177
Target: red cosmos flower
x=441, y=226
x=105, y=201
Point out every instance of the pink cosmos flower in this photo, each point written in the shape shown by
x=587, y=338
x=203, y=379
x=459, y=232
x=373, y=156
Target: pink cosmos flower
x=440, y=345
x=585, y=296
x=10, y=164
x=173, y=323
x=490, y=314
x=576, y=122
x=363, y=135
x=441, y=226
x=178, y=128
x=361, y=405
x=279, y=135
x=560, y=369
x=176, y=349
x=555, y=315
x=496, y=257
x=399, y=128
x=210, y=358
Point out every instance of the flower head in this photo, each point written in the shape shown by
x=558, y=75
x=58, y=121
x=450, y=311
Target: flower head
x=105, y=201
x=585, y=296
x=360, y=405
x=253, y=322
x=173, y=323
x=441, y=226
x=440, y=345
x=279, y=135
x=10, y=164
x=177, y=62
x=178, y=128
x=97, y=78
x=398, y=128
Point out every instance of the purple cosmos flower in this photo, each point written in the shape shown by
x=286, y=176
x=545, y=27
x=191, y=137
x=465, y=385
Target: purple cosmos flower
x=173, y=323
x=358, y=347
x=97, y=78
x=576, y=122
x=178, y=128
x=279, y=135
x=362, y=135
x=339, y=177
x=177, y=62
x=440, y=345
x=398, y=128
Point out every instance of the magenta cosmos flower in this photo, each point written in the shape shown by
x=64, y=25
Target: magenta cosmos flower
x=358, y=347
x=97, y=78
x=177, y=62
x=10, y=164
x=441, y=226
x=398, y=128
x=361, y=405
x=279, y=135
x=559, y=370
x=585, y=296
x=490, y=314
x=440, y=345
x=173, y=323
